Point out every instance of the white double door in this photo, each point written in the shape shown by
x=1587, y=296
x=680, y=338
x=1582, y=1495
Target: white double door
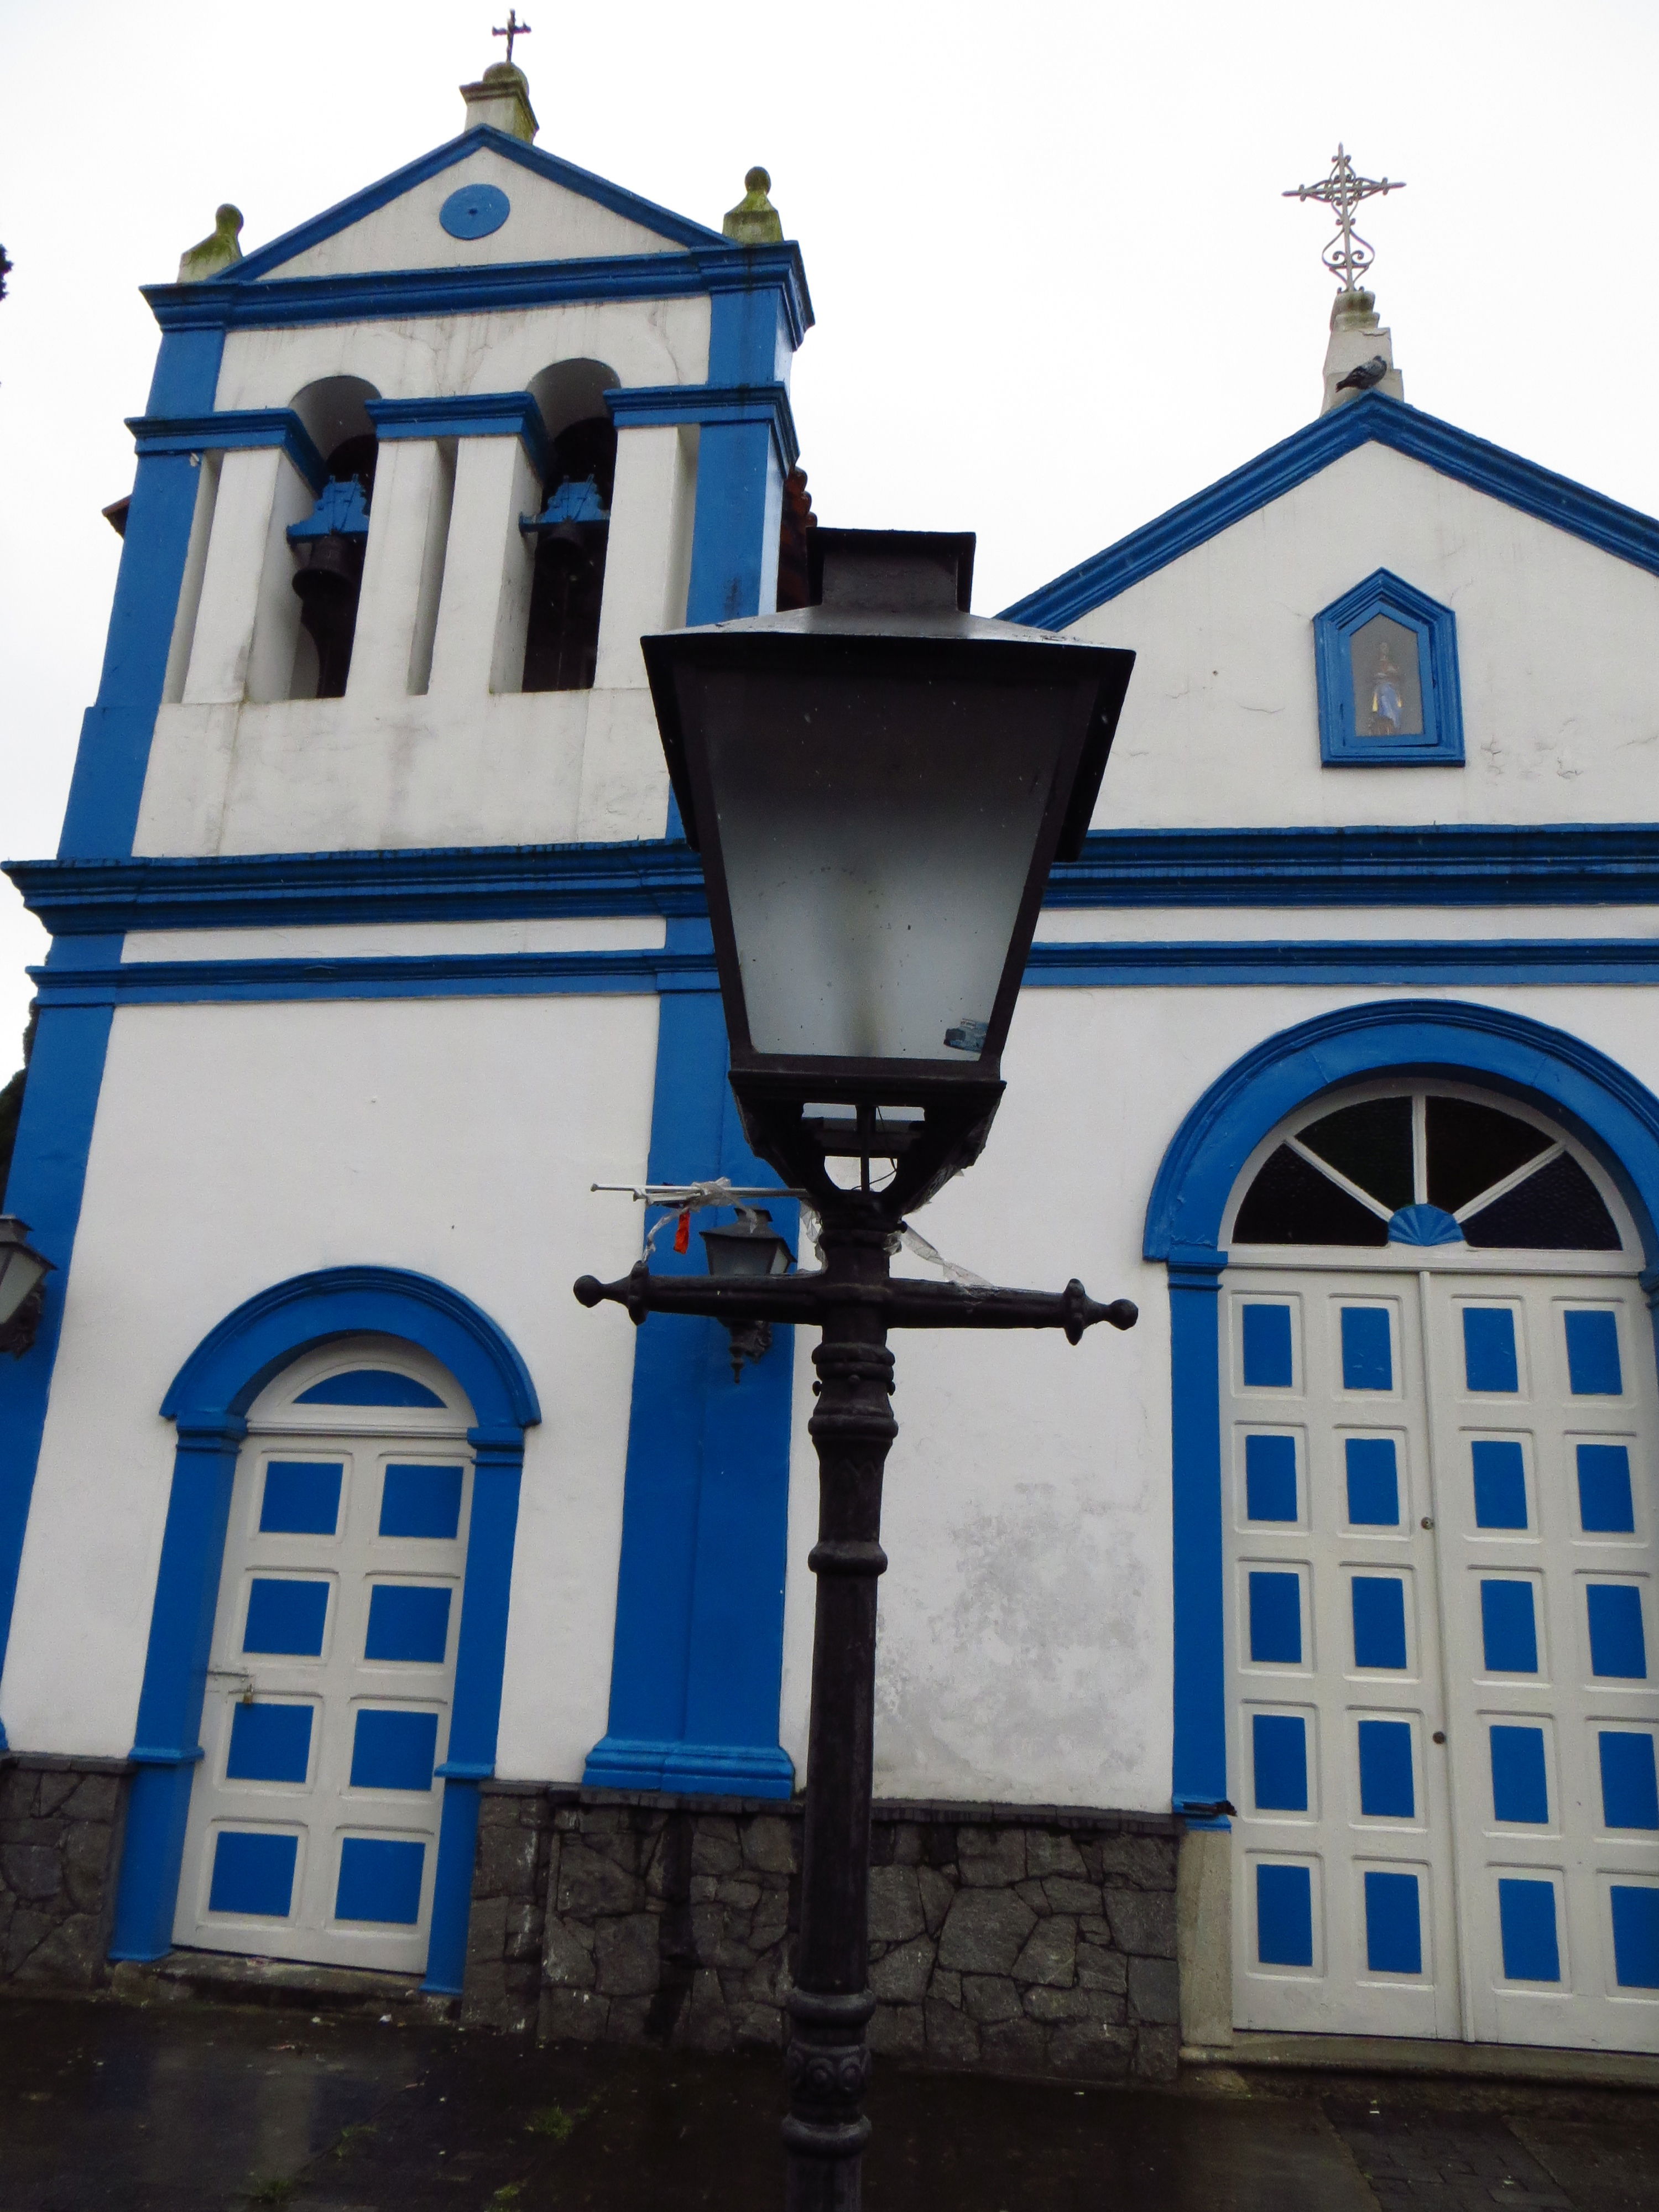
x=1440, y=1498
x=314, y=1820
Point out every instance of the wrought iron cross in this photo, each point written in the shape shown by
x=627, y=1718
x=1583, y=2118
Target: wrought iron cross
x=513, y=28
x=1348, y=255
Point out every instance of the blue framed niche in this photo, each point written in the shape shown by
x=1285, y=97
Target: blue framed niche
x=1385, y=655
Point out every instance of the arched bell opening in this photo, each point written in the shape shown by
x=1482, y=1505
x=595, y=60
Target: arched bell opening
x=329, y=544
x=571, y=533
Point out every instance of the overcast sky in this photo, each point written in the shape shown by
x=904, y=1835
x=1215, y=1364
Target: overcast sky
x=1056, y=285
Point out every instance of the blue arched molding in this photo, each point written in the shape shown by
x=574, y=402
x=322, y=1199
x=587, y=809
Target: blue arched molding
x=208, y=1403
x=1598, y=1102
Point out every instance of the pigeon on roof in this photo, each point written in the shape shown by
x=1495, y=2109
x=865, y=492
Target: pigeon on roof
x=1363, y=378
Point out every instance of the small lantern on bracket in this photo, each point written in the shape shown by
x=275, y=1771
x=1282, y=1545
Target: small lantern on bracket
x=748, y=1246
x=22, y=1286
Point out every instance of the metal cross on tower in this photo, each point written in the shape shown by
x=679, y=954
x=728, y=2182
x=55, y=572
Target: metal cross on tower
x=513, y=28
x=1348, y=255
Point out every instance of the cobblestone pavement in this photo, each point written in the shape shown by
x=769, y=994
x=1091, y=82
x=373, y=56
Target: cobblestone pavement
x=198, y=2109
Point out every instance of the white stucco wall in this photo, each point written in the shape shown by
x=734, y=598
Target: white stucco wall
x=236, y=1145
x=1026, y=1648
x=547, y=223
x=1560, y=715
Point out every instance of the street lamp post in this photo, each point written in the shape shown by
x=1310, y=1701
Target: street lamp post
x=879, y=785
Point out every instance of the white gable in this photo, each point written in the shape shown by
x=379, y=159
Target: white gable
x=1221, y=725
x=547, y=223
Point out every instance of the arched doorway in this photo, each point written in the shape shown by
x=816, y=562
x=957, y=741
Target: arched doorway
x=314, y=1818
x=1438, y=1438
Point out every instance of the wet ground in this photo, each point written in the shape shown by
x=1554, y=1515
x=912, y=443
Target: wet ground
x=195, y=2109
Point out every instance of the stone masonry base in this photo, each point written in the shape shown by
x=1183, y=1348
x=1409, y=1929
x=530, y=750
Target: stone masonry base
x=60, y=1829
x=1012, y=1940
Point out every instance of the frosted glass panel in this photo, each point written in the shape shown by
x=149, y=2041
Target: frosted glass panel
x=876, y=847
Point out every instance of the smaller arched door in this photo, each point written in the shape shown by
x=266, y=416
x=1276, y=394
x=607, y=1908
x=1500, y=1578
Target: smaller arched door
x=314, y=1814
x=1439, y=1394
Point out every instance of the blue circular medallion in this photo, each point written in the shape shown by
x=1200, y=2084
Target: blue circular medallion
x=475, y=211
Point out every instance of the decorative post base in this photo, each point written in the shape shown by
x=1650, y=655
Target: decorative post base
x=856, y=1302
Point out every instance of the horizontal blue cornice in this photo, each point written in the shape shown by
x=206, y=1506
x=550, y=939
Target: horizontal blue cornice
x=234, y=430
x=632, y=406
x=434, y=975
x=1486, y=468
x=468, y=414
x=678, y=228
x=1459, y=960
x=1437, y=864
x=1554, y=864
x=377, y=295
x=258, y=891
x=1220, y=963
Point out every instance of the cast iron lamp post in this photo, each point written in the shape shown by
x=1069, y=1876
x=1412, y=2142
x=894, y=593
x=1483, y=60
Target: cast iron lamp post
x=879, y=785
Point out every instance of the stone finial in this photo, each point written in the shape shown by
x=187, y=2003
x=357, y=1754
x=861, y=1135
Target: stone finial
x=215, y=251
x=1359, y=357
x=754, y=220
x=500, y=99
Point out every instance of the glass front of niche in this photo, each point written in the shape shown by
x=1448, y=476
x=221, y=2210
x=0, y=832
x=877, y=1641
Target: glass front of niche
x=1388, y=683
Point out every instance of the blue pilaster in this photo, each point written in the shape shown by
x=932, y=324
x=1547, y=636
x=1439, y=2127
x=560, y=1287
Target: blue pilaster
x=475, y=1714
x=48, y=1176
x=698, y=1659
x=1200, y=1776
x=698, y=1641
x=108, y=783
x=168, y=1746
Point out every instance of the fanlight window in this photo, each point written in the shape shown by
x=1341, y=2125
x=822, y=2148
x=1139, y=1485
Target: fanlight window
x=1426, y=1168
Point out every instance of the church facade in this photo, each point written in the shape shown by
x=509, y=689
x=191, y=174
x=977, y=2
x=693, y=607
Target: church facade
x=332, y=1524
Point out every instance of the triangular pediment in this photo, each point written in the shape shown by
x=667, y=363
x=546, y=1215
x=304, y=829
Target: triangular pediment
x=483, y=200
x=1620, y=531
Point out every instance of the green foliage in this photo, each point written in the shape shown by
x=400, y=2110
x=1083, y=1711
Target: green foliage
x=272, y=2189
x=555, y=2123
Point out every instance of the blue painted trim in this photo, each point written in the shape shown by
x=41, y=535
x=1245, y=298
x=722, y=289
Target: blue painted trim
x=1199, y=1753
x=113, y=755
x=1601, y=1103
x=251, y=890
x=234, y=430
x=472, y=415
x=1620, y=531
x=481, y=138
x=381, y=296
x=451, y=1888
x=1456, y=960
x=236, y=1359
x=1435, y=864
x=642, y=404
x=174, y=1685
x=1460, y=961
x=1435, y=628
x=45, y=1186
x=476, y=1710
x=698, y=1657
x=1448, y=864
x=208, y=1400
x=1593, y=1096
x=433, y=975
